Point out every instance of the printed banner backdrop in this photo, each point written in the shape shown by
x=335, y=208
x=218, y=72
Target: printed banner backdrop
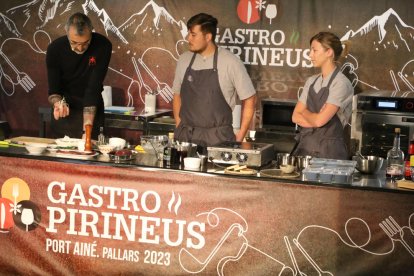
x=271, y=37
x=73, y=219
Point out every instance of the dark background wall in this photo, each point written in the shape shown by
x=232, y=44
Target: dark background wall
x=148, y=37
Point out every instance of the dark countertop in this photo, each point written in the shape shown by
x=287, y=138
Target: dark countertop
x=376, y=182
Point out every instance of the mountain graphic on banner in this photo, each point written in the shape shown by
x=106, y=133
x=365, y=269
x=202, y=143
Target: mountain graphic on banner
x=42, y=13
x=389, y=24
x=39, y=14
x=155, y=14
x=91, y=9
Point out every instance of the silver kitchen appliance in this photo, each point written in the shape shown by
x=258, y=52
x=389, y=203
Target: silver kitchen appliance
x=251, y=154
x=375, y=117
x=276, y=126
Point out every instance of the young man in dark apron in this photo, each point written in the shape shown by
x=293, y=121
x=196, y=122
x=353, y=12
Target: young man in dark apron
x=323, y=111
x=202, y=110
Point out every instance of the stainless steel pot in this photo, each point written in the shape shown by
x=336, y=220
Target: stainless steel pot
x=303, y=161
x=285, y=159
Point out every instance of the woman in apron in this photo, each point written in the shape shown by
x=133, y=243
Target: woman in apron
x=325, y=105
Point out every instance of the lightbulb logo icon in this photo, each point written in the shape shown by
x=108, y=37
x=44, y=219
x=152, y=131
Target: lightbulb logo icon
x=16, y=209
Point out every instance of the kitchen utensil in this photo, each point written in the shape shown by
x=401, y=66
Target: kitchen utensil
x=303, y=162
x=277, y=173
x=251, y=154
x=369, y=165
x=285, y=159
x=203, y=159
x=360, y=155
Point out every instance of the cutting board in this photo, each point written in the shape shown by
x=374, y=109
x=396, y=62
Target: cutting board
x=405, y=184
x=27, y=139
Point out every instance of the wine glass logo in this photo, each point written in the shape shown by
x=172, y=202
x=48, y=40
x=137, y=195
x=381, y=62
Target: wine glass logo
x=271, y=12
x=30, y=216
x=27, y=217
x=16, y=209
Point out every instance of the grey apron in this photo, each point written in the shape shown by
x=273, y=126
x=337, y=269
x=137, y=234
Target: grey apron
x=206, y=117
x=326, y=141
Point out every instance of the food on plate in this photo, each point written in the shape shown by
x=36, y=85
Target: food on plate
x=67, y=142
x=122, y=152
x=139, y=148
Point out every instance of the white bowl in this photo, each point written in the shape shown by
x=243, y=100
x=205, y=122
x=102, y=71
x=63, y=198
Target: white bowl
x=117, y=143
x=192, y=162
x=287, y=168
x=105, y=149
x=35, y=148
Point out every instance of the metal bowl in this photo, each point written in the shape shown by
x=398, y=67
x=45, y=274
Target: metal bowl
x=122, y=155
x=370, y=164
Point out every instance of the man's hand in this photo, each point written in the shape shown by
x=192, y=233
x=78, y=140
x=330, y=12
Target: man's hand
x=60, y=109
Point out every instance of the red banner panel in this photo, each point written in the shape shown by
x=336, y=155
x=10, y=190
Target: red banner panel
x=77, y=219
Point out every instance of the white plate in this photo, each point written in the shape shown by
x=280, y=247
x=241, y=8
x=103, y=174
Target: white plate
x=67, y=142
x=75, y=154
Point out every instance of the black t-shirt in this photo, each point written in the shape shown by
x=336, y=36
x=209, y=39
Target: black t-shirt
x=78, y=77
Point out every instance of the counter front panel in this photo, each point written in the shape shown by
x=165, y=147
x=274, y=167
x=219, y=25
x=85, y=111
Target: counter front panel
x=74, y=219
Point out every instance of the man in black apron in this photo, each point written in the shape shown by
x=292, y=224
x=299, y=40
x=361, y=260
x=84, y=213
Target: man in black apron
x=326, y=141
x=203, y=115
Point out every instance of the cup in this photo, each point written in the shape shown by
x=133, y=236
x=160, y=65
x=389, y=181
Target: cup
x=203, y=162
x=285, y=159
x=303, y=162
x=150, y=102
x=81, y=145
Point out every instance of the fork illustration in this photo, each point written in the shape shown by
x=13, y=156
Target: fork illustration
x=134, y=62
x=22, y=78
x=15, y=194
x=394, y=231
x=163, y=88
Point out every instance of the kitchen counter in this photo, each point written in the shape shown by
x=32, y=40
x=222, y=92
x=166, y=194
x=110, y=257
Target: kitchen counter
x=76, y=217
x=359, y=180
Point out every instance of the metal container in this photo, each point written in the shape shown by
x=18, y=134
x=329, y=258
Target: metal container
x=303, y=162
x=283, y=159
x=370, y=165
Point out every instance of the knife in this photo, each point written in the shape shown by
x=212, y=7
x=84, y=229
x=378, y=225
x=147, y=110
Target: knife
x=2, y=216
x=11, y=143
